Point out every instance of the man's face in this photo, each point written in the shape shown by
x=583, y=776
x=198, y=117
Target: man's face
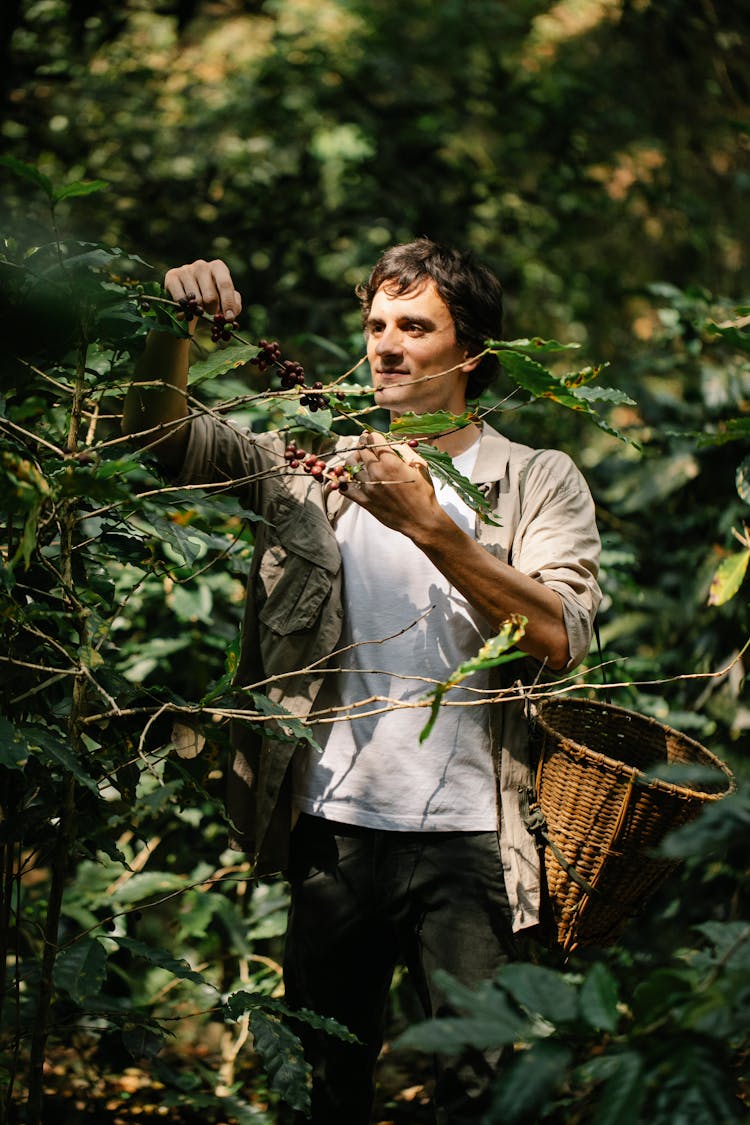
x=410, y=336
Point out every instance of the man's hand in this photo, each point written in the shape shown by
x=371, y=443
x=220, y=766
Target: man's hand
x=394, y=485
x=210, y=283
x=156, y=410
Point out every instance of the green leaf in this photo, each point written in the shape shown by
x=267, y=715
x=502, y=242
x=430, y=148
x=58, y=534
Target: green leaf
x=148, y=884
x=662, y=991
x=452, y=1034
x=540, y=990
x=14, y=749
x=46, y=740
x=728, y=577
x=492, y=654
x=441, y=466
x=81, y=969
x=534, y=346
x=29, y=172
x=430, y=425
x=77, y=188
x=568, y=391
x=598, y=998
x=491, y=1021
x=624, y=1092
x=162, y=960
x=225, y=684
x=719, y=823
x=731, y=334
x=733, y=429
x=283, y=1059
x=143, y=1041
x=288, y=727
x=528, y=1084
x=242, y=1001
x=220, y=361
x=731, y=940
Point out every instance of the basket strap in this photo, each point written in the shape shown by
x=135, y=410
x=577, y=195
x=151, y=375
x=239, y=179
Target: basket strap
x=535, y=821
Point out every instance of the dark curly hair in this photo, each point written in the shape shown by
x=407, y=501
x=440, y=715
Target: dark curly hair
x=471, y=291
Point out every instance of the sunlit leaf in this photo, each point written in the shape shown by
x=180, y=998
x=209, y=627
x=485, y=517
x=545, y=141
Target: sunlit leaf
x=534, y=346
x=188, y=741
x=430, y=425
x=732, y=334
x=492, y=653
x=78, y=188
x=728, y=577
x=570, y=391
x=733, y=429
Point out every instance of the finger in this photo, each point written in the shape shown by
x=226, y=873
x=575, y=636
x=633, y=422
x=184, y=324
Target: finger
x=209, y=282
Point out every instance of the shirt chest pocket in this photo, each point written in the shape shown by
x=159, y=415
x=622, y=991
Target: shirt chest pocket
x=296, y=571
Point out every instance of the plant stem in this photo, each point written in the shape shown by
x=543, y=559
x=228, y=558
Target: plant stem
x=66, y=835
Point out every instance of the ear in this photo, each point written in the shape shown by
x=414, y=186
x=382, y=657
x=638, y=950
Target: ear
x=471, y=364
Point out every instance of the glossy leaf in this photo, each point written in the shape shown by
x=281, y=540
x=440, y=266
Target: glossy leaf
x=430, y=425
x=540, y=990
x=283, y=1059
x=492, y=654
x=441, y=466
x=529, y=1082
x=79, y=188
x=598, y=998
x=29, y=172
x=161, y=959
x=14, y=749
x=624, y=1092
x=728, y=577
x=533, y=346
x=80, y=969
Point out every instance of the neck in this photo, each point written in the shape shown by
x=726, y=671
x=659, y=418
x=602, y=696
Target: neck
x=457, y=441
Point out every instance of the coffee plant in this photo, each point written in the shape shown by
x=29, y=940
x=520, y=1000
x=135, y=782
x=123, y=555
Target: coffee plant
x=123, y=916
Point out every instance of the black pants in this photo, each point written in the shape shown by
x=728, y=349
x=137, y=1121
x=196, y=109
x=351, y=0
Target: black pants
x=362, y=901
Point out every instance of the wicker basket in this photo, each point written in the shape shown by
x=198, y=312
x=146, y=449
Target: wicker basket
x=604, y=817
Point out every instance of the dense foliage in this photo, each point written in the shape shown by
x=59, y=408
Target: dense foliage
x=597, y=155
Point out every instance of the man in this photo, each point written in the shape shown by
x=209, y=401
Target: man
x=399, y=850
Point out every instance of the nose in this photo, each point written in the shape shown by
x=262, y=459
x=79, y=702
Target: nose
x=389, y=342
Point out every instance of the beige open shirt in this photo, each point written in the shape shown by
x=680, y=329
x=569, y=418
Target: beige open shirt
x=293, y=614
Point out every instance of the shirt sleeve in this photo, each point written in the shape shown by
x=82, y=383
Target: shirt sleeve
x=557, y=543
x=220, y=452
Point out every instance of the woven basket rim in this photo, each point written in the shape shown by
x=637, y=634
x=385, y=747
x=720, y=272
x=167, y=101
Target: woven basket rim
x=580, y=750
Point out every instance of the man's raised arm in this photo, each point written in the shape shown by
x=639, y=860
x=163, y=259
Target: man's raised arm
x=156, y=411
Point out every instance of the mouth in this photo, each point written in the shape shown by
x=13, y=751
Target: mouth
x=384, y=378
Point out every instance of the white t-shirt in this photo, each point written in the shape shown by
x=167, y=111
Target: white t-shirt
x=409, y=629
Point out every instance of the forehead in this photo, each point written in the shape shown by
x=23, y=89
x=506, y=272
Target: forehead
x=421, y=300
